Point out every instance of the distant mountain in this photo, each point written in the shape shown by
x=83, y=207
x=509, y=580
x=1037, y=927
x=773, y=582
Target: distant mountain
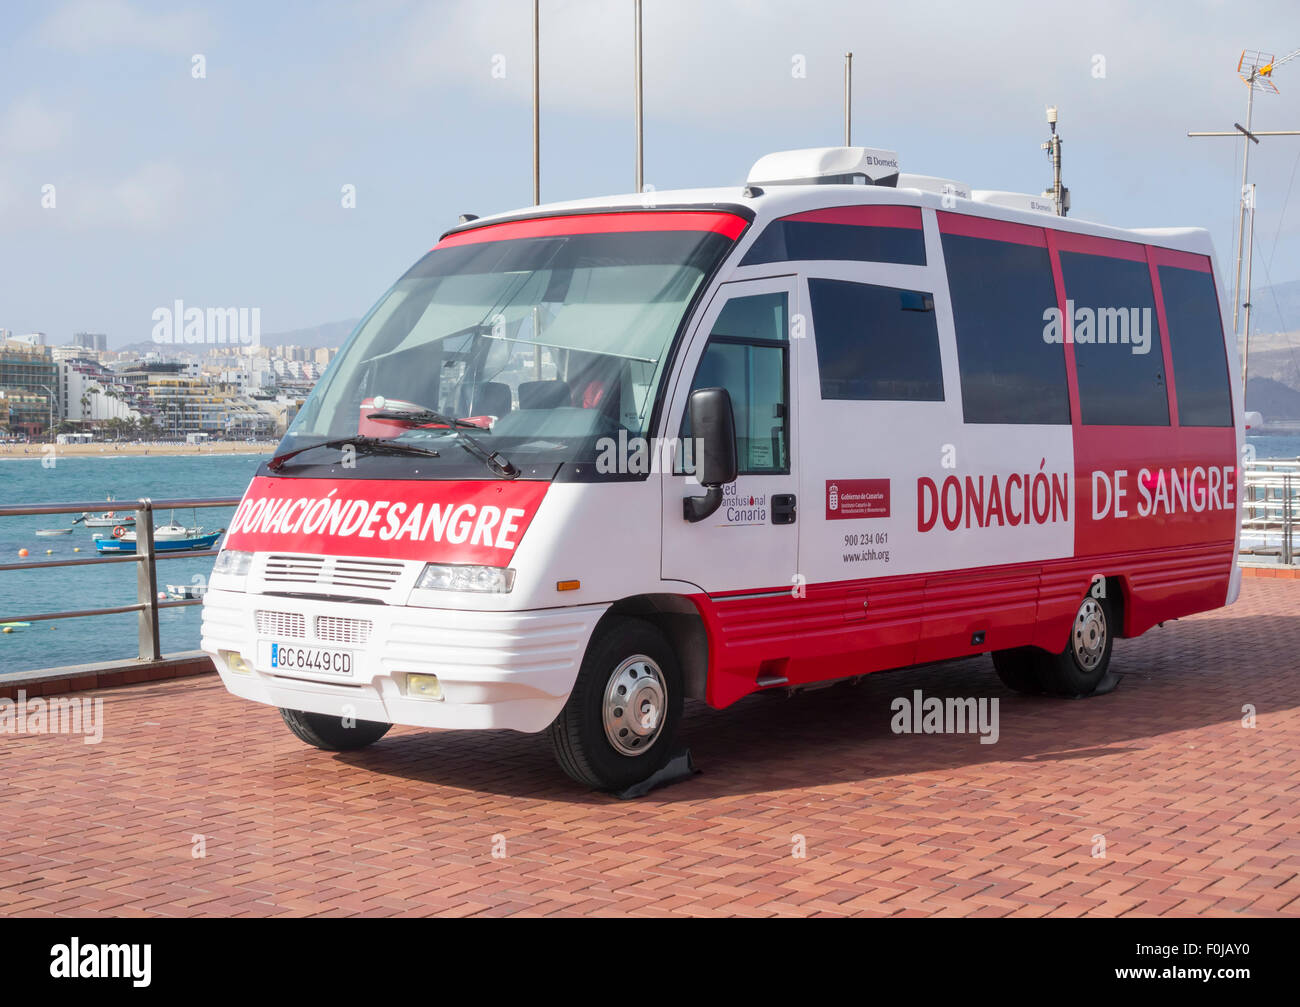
x=1273, y=399
x=329, y=335
x=1275, y=308
x=1282, y=366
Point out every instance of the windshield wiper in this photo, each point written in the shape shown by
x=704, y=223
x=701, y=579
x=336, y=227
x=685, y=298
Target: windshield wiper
x=363, y=444
x=494, y=460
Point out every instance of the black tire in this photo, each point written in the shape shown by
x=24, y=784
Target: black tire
x=583, y=746
x=1019, y=669
x=1081, y=666
x=327, y=732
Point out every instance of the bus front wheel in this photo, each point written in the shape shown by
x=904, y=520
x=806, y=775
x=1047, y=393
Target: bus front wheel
x=620, y=722
x=333, y=734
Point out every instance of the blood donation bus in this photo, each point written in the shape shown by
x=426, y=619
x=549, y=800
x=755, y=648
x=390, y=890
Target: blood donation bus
x=587, y=460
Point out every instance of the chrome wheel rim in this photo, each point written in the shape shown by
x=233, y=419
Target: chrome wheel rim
x=635, y=705
x=1090, y=632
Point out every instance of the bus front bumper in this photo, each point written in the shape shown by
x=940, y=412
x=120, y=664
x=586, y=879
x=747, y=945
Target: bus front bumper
x=509, y=670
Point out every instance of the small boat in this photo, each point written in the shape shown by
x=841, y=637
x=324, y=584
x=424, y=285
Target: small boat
x=109, y=519
x=124, y=544
x=185, y=592
x=171, y=531
x=48, y=532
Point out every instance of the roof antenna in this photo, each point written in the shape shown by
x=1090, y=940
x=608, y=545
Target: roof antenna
x=1059, y=193
x=848, y=99
x=640, y=131
x=537, y=122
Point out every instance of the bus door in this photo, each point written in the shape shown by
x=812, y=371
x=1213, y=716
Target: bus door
x=750, y=543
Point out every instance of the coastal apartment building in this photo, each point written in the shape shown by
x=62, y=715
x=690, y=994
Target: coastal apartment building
x=29, y=383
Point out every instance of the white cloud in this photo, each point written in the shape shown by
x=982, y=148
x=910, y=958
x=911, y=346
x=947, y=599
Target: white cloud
x=150, y=198
x=153, y=197
x=28, y=127
x=85, y=25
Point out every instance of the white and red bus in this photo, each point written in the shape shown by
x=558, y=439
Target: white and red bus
x=588, y=460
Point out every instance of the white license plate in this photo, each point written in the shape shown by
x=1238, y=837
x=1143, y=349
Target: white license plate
x=291, y=657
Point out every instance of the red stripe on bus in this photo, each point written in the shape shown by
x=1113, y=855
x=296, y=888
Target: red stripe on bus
x=727, y=224
x=863, y=216
x=1183, y=260
x=1068, y=241
x=966, y=226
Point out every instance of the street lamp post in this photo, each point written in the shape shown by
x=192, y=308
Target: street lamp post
x=52, y=397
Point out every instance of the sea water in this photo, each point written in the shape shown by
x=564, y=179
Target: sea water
x=81, y=479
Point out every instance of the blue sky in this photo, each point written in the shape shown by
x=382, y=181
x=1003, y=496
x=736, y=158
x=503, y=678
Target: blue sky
x=226, y=190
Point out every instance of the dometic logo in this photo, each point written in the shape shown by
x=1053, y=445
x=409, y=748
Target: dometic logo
x=465, y=521
x=102, y=961
x=993, y=501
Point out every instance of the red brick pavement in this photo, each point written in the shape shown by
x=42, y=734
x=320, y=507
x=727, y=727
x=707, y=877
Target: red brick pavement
x=1199, y=813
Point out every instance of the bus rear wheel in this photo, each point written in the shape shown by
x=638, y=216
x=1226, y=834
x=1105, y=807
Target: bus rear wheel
x=1078, y=670
x=332, y=734
x=1081, y=667
x=620, y=722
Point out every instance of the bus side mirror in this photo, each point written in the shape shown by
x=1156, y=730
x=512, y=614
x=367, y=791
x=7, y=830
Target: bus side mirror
x=713, y=425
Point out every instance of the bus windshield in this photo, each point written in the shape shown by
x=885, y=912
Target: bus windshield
x=542, y=345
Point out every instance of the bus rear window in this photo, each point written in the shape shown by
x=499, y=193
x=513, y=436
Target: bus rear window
x=1196, y=345
x=1117, y=350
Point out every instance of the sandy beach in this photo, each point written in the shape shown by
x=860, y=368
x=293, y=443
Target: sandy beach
x=130, y=448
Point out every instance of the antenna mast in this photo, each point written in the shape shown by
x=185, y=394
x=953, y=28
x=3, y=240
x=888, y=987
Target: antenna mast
x=848, y=99
x=537, y=126
x=640, y=133
x=1256, y=71
x=1059, y=193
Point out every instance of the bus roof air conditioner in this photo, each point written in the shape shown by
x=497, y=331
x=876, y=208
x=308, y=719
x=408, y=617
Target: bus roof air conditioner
x=826, y=166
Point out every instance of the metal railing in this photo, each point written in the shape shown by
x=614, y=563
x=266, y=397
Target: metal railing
x=1270, y=508
x=145, y=557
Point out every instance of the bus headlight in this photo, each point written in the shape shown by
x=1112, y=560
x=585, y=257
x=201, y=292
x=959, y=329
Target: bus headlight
x=473, y=579
x=233, y=563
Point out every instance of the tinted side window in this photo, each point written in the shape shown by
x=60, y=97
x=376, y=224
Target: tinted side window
x=746, y=354
x=1117, y=350
x=759, y=316
x=784, y=240
x=1196, y=344
x=875, y=342
x=1009, y=372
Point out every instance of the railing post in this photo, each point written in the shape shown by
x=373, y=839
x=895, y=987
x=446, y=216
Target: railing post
x=146, y=580
x=1288, y=518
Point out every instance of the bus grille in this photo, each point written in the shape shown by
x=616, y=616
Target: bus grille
x=333, y=629
x=329, y=572
x=286, y=624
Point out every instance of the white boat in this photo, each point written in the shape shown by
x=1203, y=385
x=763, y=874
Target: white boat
x=46, y=532
x=185, y=592
x=169, y=532
x=108, y=519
